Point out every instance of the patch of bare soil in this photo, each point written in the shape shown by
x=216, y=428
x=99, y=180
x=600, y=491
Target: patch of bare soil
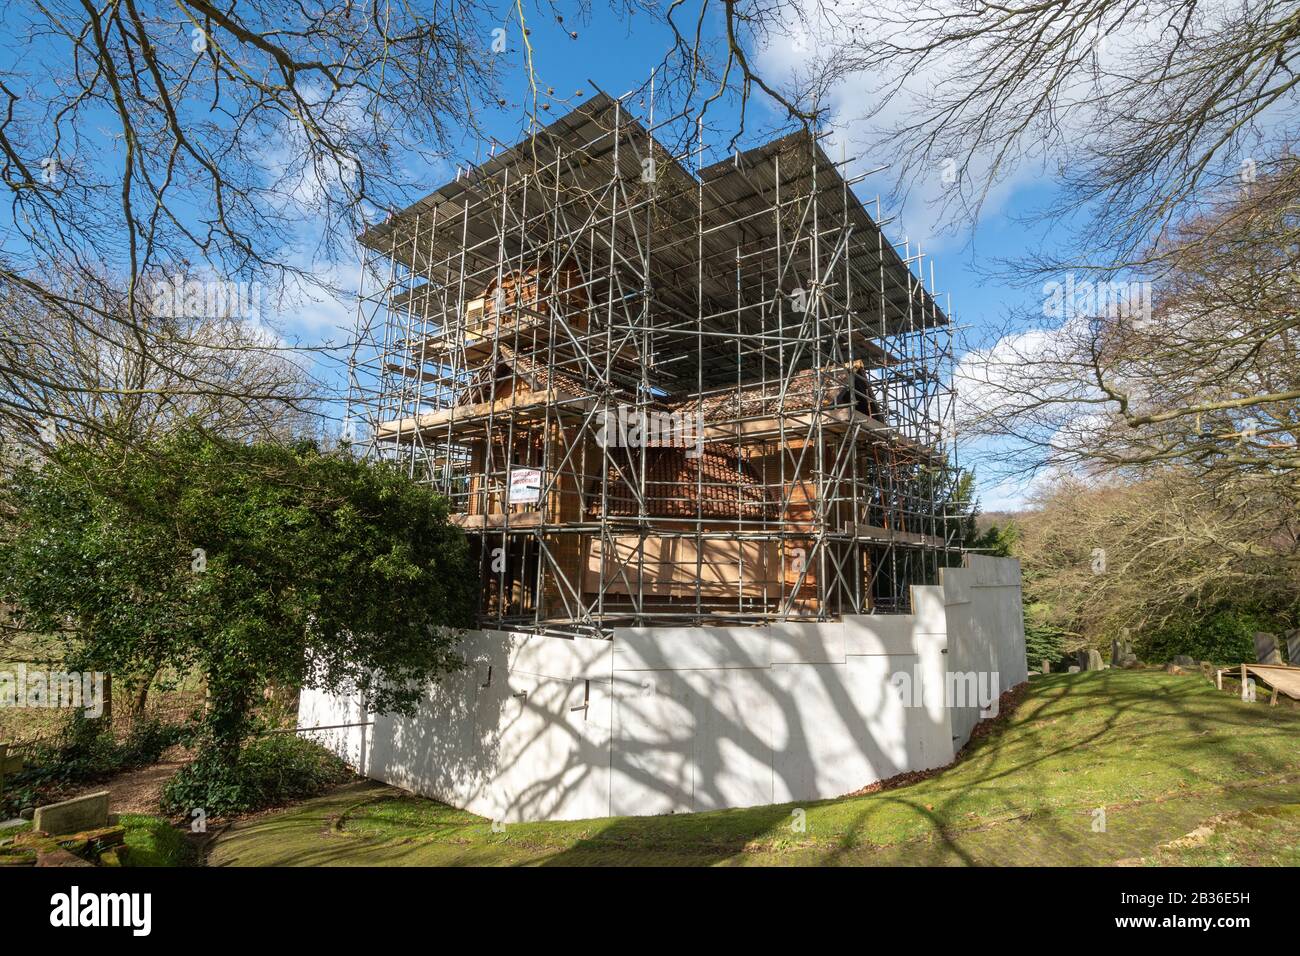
x=139, y=791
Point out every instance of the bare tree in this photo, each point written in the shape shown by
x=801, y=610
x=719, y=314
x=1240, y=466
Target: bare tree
x=1203, y=374
x=1138, y=554
x=1168, y=124
x=1145, y=109
x=84, y=376
x=141, y=140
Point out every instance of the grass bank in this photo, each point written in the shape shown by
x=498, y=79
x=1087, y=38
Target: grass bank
x=1094, y=768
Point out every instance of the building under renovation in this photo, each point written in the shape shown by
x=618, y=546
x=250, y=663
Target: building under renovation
x=657, y=391
x=696, y=420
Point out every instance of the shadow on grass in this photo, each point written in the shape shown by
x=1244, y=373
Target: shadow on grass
x=1154, y=753
x=1091, y=769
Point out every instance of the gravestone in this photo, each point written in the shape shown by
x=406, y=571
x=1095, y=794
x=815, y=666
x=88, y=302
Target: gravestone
x=72, y=816
x=1293, y=647
x=1047, y=666
x=1182, y=660
x=1074, y=668
x=1121, y=653
x=1094, y=661
x=1266, y=651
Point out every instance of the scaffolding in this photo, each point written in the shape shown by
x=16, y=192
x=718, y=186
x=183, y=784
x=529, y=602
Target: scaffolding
x=656, y=391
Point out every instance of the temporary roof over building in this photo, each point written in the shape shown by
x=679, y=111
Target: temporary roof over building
x=462, y=228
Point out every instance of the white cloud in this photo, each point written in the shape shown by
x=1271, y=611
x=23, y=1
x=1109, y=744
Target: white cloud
x=820, y=34
x=1026, y=410
x=1020, y=370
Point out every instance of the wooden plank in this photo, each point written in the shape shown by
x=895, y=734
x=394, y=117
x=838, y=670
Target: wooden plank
x=520, y=519
x=1280, y=677
x=522, y=406
x=798, y=422
x=869, y=532
x=875, y=356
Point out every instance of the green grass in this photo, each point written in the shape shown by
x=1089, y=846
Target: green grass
x=1159, y=753
x=152, y=841
x=173, y=693
x=1267, y=836
x=37, y=652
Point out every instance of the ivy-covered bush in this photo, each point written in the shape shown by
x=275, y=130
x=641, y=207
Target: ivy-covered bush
x=270, y=771
x=255, y=564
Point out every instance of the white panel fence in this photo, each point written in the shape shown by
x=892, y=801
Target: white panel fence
x=678, y=719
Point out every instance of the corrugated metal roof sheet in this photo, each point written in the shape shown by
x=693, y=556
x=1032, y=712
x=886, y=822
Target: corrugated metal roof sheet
x=703, y=243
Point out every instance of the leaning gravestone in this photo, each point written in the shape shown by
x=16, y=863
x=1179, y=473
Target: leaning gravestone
x=72, y=816
x=1266, y=651
x=1293, y=647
